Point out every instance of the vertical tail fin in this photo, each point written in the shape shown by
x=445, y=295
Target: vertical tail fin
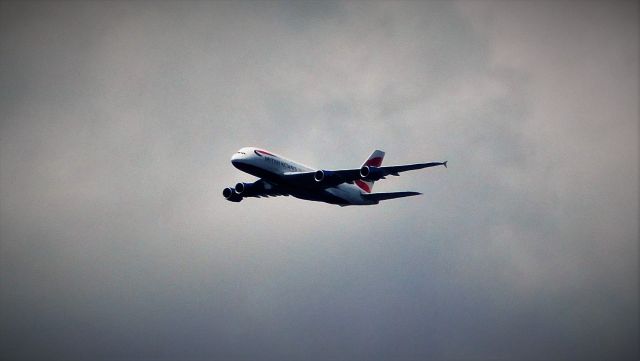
x=374, y=160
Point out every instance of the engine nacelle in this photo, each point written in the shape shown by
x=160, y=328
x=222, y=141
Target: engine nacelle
x=326, y=176
x=242, y=188
x=249, y=189
x=319, y=176
x=371, y=173
x=231, y=195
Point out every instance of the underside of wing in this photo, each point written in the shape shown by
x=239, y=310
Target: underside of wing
x=391, y=195
x=395, y=169
x=331, y=178
x=260, y=188
x=322, y=178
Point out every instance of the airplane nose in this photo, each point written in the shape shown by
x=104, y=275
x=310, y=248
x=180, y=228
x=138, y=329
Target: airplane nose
x=235, y=159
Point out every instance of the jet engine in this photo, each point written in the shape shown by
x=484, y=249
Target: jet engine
x=319, y=176
x=231, y=195
x=371, y=173
x=249, y=189
x=326, y=176
x=242, y=187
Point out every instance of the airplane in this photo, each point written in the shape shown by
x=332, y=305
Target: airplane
x=280, y=176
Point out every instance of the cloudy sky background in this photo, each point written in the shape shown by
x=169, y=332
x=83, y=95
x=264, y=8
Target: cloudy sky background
x=118, y=120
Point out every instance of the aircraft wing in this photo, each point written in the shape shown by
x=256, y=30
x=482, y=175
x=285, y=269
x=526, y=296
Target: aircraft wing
x=331, y=178
x=395, y=169
x=391, y=195
x=262, y=188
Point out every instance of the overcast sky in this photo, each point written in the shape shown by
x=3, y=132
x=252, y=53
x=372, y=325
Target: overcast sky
x=118, y=120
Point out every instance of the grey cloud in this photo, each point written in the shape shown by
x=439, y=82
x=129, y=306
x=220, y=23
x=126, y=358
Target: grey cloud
x=118, y=120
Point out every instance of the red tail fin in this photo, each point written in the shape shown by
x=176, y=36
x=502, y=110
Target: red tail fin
x=374, y=160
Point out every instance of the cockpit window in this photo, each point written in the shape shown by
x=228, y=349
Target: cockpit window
x=241, y=153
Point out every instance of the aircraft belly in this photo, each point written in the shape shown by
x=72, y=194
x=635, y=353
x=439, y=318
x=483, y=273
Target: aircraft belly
x=348, y=192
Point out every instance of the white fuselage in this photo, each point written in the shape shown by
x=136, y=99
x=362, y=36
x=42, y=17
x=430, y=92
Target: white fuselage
x=273, y=167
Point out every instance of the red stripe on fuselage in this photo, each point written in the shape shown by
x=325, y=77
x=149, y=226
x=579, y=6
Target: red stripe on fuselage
x=264, y=152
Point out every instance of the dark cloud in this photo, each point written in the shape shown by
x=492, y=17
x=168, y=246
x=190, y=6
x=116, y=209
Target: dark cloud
x=119, y=120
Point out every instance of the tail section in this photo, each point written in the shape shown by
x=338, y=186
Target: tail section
x=374, y=160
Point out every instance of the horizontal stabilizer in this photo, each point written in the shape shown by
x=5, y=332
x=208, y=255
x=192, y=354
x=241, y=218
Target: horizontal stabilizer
x=385, y=196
